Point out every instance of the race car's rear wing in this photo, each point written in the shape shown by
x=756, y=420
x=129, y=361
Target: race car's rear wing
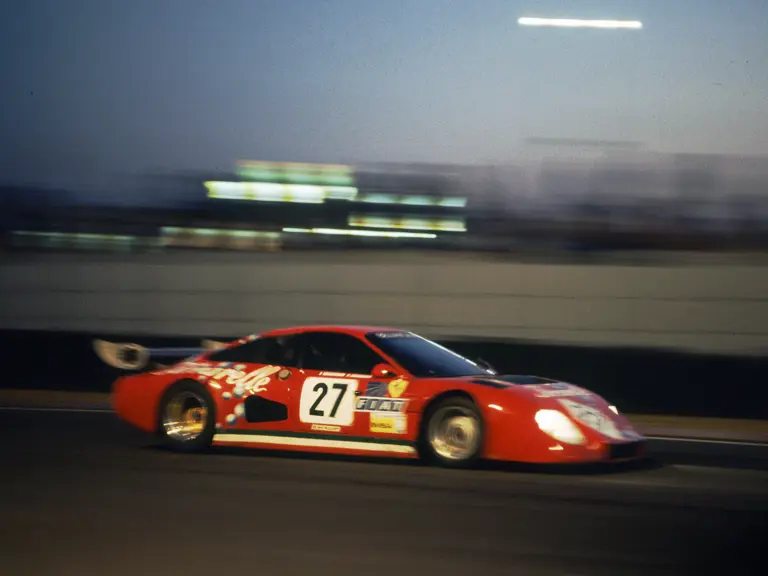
x=129, y=356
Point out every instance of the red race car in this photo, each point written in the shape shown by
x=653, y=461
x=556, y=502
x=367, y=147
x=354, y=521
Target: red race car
x=362, y=391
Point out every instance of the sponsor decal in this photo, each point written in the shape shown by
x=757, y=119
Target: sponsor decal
x=243, y=382
x=397, y=387
x=326, y=428
x=379, y=404
x=557, y=390
x=393, y=389
x=376, y=389
x=226, y=373
x=593, y=418
x=388, y=423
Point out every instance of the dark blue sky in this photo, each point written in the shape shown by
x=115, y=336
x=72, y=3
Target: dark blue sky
x=95, y=88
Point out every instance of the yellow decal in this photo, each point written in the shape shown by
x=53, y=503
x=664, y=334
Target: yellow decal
x=389, y=424
x=397, y=387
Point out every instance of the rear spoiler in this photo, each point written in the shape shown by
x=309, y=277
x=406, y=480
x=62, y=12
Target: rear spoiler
x=129, y=356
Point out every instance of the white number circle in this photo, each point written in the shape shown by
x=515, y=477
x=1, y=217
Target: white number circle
x=328, y=401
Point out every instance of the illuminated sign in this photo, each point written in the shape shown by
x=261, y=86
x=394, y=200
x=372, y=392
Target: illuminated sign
x=362, y=233
x=408, y=223
x=296, y=173
x=413, y=200
x=272, y=192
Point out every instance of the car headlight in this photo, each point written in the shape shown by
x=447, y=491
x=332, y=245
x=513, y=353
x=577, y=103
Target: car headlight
x=614, y=410
x=557, y=425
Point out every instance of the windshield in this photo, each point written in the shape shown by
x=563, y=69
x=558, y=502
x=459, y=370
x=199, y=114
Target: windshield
x=424, y=358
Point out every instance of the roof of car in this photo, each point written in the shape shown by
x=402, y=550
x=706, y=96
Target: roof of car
x=358, y=330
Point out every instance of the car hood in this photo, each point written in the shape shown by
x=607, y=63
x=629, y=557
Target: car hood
x=534, y=386
x=591, y=411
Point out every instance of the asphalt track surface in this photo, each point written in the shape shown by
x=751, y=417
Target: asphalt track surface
x=82, y=494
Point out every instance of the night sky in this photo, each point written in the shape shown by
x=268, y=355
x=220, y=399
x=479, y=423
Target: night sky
x=92, y=89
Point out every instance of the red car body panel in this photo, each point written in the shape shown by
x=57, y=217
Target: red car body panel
x=508, y=410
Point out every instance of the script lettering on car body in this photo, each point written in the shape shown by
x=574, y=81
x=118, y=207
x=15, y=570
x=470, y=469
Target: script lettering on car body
x=229, y=373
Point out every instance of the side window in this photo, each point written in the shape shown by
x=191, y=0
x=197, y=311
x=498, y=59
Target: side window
x=280, y=350
x=337, y=352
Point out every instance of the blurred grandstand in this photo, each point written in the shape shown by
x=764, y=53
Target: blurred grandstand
x=615, y=200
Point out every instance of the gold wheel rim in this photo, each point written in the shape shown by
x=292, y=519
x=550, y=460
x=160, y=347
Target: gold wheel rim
x=185, y=416
x=454, y=433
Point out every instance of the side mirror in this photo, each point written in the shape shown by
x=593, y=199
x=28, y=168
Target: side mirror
x=383, y=371
x=486, y=365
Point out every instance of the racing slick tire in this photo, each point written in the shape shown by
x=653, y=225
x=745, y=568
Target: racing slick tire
x=452, y=433
x=187, y=417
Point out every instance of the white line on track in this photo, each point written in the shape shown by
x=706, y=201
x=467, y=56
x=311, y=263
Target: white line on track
x=707, y=441
x=717, y=469
x=30, y=409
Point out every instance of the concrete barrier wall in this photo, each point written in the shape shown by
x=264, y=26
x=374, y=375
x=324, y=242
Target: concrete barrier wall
x=707, y=308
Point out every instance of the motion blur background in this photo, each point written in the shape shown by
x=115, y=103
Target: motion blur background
x=186, y=168
x=447, y=118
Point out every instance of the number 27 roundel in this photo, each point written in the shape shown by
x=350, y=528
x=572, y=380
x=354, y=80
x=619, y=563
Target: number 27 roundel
x=328, y=401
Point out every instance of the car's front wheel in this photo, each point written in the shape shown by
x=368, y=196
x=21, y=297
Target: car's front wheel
x=453, y=432
x=187, y=417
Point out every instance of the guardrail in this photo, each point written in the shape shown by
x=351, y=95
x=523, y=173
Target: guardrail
x=694, y=307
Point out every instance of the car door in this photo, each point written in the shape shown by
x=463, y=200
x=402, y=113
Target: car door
x=337, y=371
x=256, y=384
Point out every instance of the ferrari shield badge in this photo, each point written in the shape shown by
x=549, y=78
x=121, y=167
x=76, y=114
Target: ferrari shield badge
x=397, y=387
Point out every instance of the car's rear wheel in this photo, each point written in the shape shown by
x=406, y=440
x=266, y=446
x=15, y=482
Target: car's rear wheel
x=187, y=417
x=453, y=432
